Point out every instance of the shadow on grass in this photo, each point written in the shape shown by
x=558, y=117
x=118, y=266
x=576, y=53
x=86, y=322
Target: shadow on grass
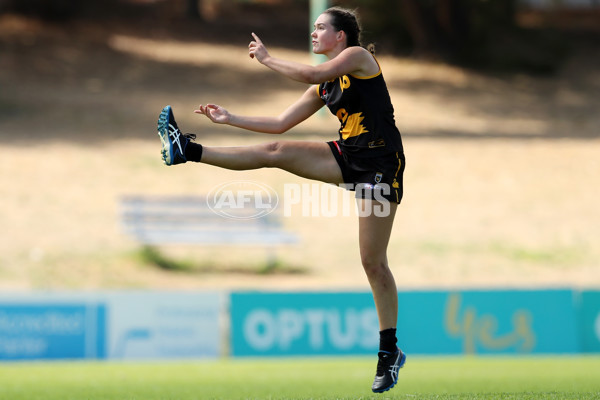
x=151, y=255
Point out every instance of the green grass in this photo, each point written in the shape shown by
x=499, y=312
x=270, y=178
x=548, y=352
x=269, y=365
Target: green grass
x=153, y=256
x=305, y=378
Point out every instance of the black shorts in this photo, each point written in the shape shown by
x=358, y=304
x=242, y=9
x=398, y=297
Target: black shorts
x=372, y=178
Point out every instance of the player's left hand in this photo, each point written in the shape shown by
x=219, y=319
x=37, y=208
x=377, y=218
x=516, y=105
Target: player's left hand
x=256, y=49
x=215, y=113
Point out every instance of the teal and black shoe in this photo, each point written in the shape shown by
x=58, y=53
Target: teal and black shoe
x=173, y=141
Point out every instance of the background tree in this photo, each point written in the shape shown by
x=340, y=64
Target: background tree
x=475, y=33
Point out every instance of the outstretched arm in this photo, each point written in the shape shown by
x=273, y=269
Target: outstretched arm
x=352, y=60
x=304, y=107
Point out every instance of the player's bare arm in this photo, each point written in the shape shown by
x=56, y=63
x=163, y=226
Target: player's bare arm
x=351, y=60
x=304, y=107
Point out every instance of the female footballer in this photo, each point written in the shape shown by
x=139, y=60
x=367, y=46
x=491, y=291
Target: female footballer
x=368, y=157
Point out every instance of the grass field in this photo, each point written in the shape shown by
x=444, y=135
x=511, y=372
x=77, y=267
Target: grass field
x=306, y=378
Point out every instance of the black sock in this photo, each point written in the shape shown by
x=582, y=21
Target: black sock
x=387, y=340
x=193, y=152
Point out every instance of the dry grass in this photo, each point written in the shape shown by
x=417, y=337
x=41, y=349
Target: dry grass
x=500, y=187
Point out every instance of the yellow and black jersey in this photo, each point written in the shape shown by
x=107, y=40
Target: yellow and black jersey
x=366, y=114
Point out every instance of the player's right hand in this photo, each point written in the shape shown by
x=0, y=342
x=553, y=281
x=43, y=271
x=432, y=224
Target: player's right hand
x=256, y=49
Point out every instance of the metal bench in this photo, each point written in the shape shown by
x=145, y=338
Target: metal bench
x=164, y=220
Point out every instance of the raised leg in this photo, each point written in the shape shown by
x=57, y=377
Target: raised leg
x=312, y=160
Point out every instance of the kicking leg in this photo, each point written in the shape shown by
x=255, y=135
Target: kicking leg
x=312, y=160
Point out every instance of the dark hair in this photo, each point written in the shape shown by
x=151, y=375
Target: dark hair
x=343, y=19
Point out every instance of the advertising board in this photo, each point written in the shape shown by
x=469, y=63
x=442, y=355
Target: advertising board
x=429, y=322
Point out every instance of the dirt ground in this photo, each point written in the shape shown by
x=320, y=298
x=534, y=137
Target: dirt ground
x=501, y=185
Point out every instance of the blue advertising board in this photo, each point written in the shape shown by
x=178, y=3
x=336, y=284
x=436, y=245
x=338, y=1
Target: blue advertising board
x=51, y=331
x=429, y=322
x=302, y=323
x=589, y=317
x=159, y=325
x=488, y=322
x=111, y=325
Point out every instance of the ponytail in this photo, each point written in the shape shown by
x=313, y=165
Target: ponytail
x=371, y=48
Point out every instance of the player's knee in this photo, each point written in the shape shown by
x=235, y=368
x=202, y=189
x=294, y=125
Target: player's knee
x=373, y=265
x=273, y=152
